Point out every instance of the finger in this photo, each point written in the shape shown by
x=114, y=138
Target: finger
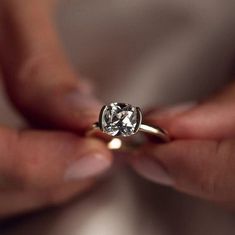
x=37, y=74
x=41, y=159
x=201, y=168
x=213, y=118
x=13, y=202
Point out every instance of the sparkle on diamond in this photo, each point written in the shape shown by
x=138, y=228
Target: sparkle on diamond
x=120, y=119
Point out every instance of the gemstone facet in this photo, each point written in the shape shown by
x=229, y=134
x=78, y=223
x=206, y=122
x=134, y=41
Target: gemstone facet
x=120, y=119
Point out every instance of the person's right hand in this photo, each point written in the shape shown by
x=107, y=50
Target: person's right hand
x=43, y=167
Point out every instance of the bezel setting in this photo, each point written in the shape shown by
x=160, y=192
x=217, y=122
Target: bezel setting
x=120, y=119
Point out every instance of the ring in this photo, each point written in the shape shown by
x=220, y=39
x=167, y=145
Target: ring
x=123, y=120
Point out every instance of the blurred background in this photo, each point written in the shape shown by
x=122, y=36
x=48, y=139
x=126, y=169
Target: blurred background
x=143, y=52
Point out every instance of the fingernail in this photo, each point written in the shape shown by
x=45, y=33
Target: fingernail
x=152, y=170
x=174, y=110
x=84, y=105
x=85, y=86
x=81, y=100
x=86, y=167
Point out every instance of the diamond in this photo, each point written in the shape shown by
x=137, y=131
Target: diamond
x=120, y=119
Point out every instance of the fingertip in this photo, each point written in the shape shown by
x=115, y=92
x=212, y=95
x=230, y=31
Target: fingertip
x=101, y=146
x=172, y=118
x=80, y=109
x=94, y=163
x=42, y=159
x=151, y=169
x=65, y=107
x=171, y=111
x=196, y=120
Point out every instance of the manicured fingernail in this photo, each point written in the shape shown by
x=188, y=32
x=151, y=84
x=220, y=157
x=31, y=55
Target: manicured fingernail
x=152, y=170
x=81, y=100
x=83, y=105
x=86, y=167
x=171, y=111
x=85, y=86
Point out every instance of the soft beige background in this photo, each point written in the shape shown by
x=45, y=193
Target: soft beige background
x=145, y=52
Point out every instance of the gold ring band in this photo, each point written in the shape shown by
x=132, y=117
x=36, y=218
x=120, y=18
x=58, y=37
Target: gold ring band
x=156, y=131
x=122, y=120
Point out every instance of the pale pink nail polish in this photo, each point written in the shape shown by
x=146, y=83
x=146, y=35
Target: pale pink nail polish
x=85, y=86
x=80, y=100
x=86, y=167
x=83, y=106
x=152, y=170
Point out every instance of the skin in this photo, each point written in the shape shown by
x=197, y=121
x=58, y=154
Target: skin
x=201, y=158
x=44, y=88
x=42, y=85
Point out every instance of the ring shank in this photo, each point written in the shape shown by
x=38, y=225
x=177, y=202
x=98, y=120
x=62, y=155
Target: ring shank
x=157, y=131
x=114, y=143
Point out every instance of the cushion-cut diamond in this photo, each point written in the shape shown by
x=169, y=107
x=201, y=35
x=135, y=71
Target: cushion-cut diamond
x=118, y=119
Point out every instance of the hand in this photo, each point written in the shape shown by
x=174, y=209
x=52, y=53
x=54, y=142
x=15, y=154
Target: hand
x=40, y=168
x=201, y=158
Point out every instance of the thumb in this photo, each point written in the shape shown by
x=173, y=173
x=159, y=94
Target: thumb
x=46, y=159
x=201, y=168
x=213, y=118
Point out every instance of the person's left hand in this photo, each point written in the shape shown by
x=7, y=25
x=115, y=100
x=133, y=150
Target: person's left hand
x=200, y=160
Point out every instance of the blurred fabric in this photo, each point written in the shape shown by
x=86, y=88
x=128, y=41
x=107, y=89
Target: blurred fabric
x=143, y=52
